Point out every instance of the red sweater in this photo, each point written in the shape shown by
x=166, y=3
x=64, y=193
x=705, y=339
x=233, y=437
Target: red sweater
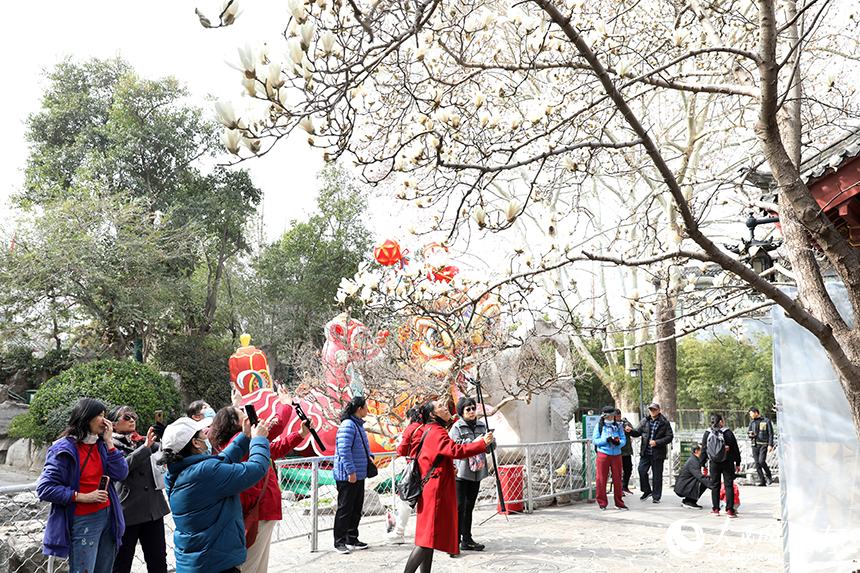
x=270, y=505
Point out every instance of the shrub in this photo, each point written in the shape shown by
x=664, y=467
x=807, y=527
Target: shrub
x=112, y=382
x=203, y=362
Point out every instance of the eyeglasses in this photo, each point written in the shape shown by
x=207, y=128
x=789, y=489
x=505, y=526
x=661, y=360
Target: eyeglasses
x=129, y=417
x=469, y=409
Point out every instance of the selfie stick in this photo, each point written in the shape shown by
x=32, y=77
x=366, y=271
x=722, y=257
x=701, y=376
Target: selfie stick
x=304, y=418
x=480, y=396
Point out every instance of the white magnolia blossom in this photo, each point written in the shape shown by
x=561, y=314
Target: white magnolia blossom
x=226, y=115
x=307, y=124
x=250, y=86
x=600, y=28
x=230, y=11
x=294, y=51
x=479, y=100
x=307, y=31
x=348, y=286
x=247, y=62
x=275, y=75
x=327, y=40
x=479, y=216
x=512, y=210
x=252, y=144
x=623, y=66
x=297, y=9
x=231, y=138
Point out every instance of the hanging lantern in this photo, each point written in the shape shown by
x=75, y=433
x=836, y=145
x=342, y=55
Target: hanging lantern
x=389, y=253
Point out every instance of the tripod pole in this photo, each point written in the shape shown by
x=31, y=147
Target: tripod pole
x=480, y=395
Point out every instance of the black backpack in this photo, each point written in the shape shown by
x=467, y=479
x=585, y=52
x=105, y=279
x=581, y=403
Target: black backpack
x=411, y=483
x=716, y=446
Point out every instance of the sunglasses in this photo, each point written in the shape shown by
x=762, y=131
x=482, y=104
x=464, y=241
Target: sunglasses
x=129, y=417
x=469, y=409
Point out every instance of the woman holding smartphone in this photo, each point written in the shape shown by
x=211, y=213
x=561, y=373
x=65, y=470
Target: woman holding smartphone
x=143, y=503
x=265, y=495
x=86, y=522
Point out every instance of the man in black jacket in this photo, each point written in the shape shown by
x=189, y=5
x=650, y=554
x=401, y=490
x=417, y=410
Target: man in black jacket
x=727, y=468
x=656, y=435
x=761, y=436
x=691, y=482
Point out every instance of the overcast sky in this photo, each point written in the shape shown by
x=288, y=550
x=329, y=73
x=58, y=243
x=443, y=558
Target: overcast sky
x=158, y=38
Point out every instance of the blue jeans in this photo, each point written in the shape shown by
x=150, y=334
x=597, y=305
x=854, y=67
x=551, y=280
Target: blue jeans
x=93, y=546
x=656, y=466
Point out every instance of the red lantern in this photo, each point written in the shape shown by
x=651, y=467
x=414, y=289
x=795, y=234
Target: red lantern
x=389, y=253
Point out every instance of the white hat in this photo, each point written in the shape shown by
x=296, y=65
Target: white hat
x=179, y=433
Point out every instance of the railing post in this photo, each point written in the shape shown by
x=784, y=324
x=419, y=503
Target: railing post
x=530, y=474
x=315, y=482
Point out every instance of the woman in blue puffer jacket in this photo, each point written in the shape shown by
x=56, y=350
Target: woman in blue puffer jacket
x=203, y=491
x=351, y=456
x=609, y=438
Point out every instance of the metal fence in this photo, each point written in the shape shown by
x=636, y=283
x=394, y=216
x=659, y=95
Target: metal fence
x=531, y=475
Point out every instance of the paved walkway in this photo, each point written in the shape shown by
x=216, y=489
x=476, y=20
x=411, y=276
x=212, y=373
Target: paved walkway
x=579, y=537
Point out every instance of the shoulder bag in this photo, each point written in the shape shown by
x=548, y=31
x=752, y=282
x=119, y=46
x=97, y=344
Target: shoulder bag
x=411, y=484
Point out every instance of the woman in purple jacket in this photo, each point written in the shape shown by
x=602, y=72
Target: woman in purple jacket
x=85, y=522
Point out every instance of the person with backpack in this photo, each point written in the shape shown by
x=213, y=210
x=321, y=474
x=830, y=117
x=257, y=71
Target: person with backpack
x=406, y=447
x=436, y=523
x=722, y=451
x=656, y=436
x=761, y=438
x=608, y=439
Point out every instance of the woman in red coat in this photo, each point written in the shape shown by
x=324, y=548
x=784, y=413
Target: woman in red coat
x=436, y=527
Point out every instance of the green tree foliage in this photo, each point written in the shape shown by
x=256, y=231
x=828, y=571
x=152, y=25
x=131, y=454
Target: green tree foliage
x=153, y=260
x=296, y=277
x=723, y=374
x=95, y=263
x=202, y=362
x=35, y=369
x=112, y=382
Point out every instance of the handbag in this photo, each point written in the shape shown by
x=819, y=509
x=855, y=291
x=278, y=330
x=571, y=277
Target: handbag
x=372, y=470
x=411, y=484
x=252, y=516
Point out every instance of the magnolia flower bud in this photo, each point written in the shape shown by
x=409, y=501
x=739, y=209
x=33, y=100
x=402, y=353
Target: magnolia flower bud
x=229, y=12
x=204, y=21
x=307, y=124
x=226, y=115
x=252, y=144
x=479, y=216
x=623, y=67
x=327, y=42
x=512, y=210
x=307, y=31
x=231, y=139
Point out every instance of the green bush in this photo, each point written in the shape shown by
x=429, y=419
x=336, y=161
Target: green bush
x=203, y=362
x=112, y=382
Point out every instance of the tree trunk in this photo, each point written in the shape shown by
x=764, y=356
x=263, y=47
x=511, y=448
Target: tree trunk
x=665, y=370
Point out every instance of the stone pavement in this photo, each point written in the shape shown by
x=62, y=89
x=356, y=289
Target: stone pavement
x=578, y=537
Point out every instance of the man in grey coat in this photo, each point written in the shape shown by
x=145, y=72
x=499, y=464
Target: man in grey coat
x=470, y=471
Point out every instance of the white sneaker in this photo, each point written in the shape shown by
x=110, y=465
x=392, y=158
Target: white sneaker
x=394, y=538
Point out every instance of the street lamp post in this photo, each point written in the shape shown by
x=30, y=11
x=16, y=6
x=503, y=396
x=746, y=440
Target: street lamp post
x=636, y=371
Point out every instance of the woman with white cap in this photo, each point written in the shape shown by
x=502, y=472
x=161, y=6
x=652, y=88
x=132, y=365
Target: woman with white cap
x=203, y=491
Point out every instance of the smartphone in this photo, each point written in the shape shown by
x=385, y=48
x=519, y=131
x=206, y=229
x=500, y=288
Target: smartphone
x=159, y=416
x=103, y=483
x=275, y=386
x=252, y=414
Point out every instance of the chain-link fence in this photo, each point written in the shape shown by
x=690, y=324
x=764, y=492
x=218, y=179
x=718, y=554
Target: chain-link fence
x=530, y=476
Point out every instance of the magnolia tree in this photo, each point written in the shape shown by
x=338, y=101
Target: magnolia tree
x=492, y=113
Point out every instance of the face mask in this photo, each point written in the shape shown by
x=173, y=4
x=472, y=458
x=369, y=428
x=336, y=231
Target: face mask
x=208, y=446
x=208, y=413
